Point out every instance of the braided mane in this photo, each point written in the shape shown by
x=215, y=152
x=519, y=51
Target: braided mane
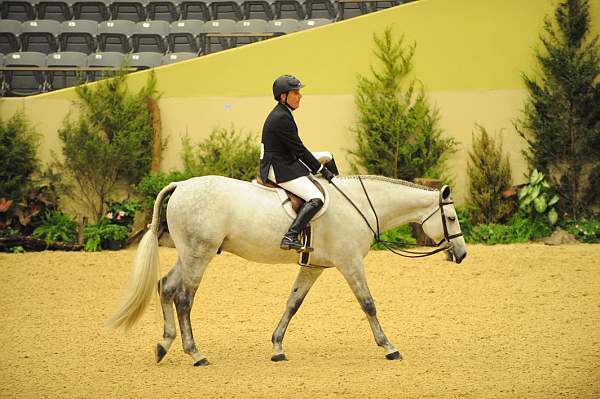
x=389, y=180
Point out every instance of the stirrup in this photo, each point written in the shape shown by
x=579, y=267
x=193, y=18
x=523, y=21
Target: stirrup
x=288, y=243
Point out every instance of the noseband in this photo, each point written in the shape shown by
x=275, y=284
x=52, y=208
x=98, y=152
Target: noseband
x=396, y=246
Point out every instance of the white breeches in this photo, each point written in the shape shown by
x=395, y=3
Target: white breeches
x=301, y=186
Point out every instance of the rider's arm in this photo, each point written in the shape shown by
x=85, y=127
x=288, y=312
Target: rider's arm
x=287, y=132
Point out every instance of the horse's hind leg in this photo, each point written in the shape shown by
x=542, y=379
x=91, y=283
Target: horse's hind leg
x=306, y=278
x=192, y=269
x=166, y=290
x=356, y=278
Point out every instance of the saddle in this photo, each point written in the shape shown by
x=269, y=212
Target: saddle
x=290, y=201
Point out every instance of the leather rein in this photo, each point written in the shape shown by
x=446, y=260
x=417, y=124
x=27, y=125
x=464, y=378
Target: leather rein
x=396, y=246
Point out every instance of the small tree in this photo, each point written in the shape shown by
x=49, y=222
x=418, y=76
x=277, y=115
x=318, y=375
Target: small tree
x=110, y=143
x=224, y=153
x=489, y=177
x=397, y=134
x=18, y=157
x=561, y=121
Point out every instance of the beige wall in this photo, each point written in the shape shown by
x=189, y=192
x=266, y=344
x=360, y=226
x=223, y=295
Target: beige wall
x=470, y=54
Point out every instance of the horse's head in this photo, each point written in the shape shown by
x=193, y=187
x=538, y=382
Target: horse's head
x=441, y=225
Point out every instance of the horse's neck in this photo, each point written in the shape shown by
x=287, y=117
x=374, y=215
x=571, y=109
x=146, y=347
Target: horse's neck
x=395, y=203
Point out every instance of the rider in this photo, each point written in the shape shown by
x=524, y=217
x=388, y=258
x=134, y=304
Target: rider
x=287, y=162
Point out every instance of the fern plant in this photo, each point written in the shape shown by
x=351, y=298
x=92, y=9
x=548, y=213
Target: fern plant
x=57, y=227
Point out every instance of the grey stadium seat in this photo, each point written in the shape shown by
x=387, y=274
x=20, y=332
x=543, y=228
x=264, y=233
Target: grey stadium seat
x=129, y=10
x=192, y=9
x=115, y=35
x=163, y=10
x=150, y=36
x=352, y=9
x=40, y=35
x=106, y=59
x=312, y=23
x=381, y=5
x=3, y=87
x=24, y=83
x=17, y=10
x=286, y=25
x=226, y=9
x=79, y=35
x=248, y=26
x=58, y=10
x=320, y=9
x=289, y=9
x=176, y=57
x=62, y=79
x=214, y=44
x=144, y=60
x=94, y=10
x=184, y=36
x=10, y=32
x=258, y=9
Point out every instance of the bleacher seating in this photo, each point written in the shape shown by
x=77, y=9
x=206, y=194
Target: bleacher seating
x=10, y=33
x=115, y=35
x=24, y=83
x=79, y=35
x=62, y=79
x=17, y=10
x=176, y=57
x=150, y=36
x=40, y=35
x=106, y=32
x=144, y=60
x=184, y=36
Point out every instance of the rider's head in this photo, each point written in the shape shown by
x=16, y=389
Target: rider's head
x=286, y=90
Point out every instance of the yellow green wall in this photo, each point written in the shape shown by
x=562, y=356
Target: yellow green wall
x=469, y=57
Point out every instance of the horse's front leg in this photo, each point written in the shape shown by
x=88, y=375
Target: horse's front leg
x=356, y=278
x=305, y=279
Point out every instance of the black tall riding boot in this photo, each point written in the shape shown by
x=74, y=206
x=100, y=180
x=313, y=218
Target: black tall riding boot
x=305, y=214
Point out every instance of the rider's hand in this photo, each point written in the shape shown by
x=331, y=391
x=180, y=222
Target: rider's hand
x=327, y=174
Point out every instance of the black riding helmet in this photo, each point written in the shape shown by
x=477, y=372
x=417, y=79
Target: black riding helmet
x=285, y=83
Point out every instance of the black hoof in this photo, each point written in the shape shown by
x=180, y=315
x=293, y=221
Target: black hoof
x=278, y=358
x=393, y=356
x=202, y=362
x=160, y=353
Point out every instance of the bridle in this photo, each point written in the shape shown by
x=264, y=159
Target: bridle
x=396, y=246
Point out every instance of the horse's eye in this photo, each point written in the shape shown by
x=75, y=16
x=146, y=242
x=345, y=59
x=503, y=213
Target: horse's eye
x=452, y=218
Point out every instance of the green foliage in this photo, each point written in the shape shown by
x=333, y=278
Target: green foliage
x=536, y=198
x=519, y=228
x=26, y=214
x=57, y=227
x=399, y=234
x=17, y=250
x=122, y=213
x=397, y=134
x=561, y=121
x=585, y=230
x=489, y=177
x=224, y=153
x=96, y=234
x=151, y=184
x=111, y=141
x=18, y=159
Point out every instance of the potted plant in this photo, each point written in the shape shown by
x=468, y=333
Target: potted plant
x=113, y=236
x=122, y=213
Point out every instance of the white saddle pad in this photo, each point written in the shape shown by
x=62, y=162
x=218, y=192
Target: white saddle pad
x=287, y=204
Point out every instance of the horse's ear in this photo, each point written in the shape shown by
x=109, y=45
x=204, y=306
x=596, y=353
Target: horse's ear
x=445, y=192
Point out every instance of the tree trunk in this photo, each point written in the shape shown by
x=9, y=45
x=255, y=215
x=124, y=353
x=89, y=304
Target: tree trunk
x=156, y=136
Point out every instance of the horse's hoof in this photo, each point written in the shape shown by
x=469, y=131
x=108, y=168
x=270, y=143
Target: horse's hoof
x=393, y=356
x=160, y=353
x=279, y=357
x=202, y=362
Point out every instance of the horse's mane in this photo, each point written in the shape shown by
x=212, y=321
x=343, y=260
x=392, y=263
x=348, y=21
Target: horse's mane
x=389, y=180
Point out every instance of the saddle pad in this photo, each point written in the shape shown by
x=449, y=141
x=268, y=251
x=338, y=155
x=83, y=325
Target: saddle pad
x=286, y=203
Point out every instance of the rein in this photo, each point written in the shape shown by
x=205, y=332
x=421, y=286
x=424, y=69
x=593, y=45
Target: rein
x=396, y=246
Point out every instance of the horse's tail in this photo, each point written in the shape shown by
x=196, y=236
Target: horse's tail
x=144, y=274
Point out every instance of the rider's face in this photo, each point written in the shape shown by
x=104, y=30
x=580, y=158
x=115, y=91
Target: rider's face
x=293, y=98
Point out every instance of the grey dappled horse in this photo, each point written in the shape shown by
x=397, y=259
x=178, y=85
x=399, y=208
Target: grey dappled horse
x=212, y=213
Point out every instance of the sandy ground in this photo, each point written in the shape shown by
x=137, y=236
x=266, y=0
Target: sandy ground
x=511, y=321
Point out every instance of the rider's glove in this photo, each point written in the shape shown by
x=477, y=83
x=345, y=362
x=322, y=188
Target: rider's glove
x=327, y=174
